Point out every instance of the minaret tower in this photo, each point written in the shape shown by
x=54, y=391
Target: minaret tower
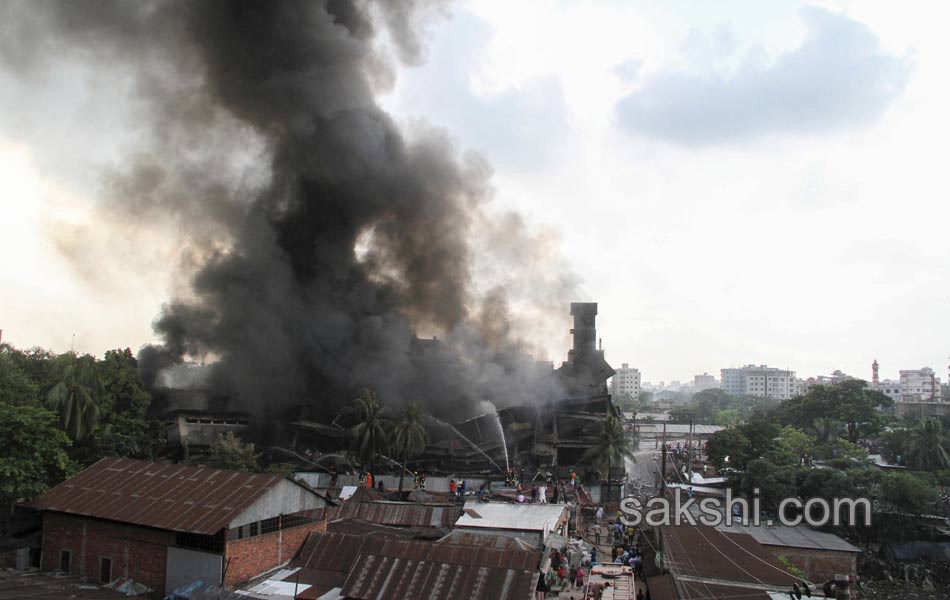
x=875, y=381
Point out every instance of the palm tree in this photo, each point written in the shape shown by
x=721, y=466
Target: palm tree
x=408, y=437
x=76, y=395
x=369, y=434
x=926, y=450
x=615, y=445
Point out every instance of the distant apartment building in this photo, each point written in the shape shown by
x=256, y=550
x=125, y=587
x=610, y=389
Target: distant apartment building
x=626, y=382
x=836, y=376
x=890, y=388
x=920, y=385
x=761, y=381
x=915, y=385
x=704, y=382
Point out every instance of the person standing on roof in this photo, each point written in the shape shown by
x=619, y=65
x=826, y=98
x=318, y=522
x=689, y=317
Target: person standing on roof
x=573, y=478
x=462, y=487
x=543, y=493
x=452, y=487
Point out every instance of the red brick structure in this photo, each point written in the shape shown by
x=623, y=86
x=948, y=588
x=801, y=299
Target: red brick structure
x=252, y=556
x=167, y=525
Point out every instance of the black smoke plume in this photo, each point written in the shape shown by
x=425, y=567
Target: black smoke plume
x=320, y=240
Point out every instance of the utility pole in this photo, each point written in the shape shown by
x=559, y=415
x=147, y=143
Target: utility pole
x=663, y=464
x=689, y=451
x=659, y=530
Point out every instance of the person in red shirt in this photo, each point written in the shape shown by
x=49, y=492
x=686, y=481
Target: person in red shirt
x=452, y=486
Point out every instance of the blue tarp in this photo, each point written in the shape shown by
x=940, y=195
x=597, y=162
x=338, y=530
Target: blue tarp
x=199, y=590
x=932, y=551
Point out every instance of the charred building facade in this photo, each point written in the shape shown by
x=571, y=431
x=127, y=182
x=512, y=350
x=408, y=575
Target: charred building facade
x=547, y=436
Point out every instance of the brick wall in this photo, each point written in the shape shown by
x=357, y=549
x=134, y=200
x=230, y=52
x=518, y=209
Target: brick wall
x=137, y=553
x=250, y=557
x=818, y=565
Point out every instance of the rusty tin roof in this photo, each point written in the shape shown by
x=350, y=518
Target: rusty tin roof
x=165, y=496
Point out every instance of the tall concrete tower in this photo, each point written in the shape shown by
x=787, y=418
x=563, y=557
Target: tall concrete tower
x=875, y=380
x=585, y=331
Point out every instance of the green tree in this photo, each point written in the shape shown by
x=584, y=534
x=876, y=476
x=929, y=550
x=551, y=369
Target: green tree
x=825, y=429
x=795, y=441
x=849, y=402
x=844, y=454
x=614, y=445
x=34, y=456
x=895, y=444
x=926, y=450
x=907, y=493
x=727, y=417
x=683, y=414
x=16, y=388
x=231, y=452
x=408, y=437
x=75, y=396
x=773, y=481
x=38, y=364
x=369, y=433
x=728, y=447
x=125, y=430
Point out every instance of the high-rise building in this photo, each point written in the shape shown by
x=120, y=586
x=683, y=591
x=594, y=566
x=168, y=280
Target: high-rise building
x=625, y=382
x=704, y=382
x=761, y=381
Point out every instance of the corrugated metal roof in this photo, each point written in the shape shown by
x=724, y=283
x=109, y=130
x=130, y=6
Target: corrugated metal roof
x=520, y=517
x=174, y=497
x=361, y=527
x=474, y=538
x=335, y=552
x=694, y=590
x=401, y=514
x=703, y=551
x=402, y=569
x=795, y=537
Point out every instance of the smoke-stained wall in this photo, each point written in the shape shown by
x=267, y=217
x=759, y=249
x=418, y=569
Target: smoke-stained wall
x=318, y=240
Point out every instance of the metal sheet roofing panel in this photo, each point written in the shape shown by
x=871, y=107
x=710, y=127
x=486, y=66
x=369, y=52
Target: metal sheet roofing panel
x=426, y=571
x=520, y=517
x=331, y=551
x=800, y=536
x=401, y=514
x=165, y=496
x=485, y=540
x=702, y=551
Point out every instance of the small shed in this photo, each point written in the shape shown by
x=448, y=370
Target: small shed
x=532, y=523
x=167, y=525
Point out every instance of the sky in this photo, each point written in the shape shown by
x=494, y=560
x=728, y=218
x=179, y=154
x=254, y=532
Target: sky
x=744, y=182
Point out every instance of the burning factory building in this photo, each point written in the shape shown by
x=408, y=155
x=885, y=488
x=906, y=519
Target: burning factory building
x=546, y=435
x=557, y=431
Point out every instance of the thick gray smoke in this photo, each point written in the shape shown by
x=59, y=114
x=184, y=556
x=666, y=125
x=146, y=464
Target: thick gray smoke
x=320, y=241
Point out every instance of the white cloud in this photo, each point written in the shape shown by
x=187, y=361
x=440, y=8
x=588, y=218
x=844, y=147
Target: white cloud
x=837, y=78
